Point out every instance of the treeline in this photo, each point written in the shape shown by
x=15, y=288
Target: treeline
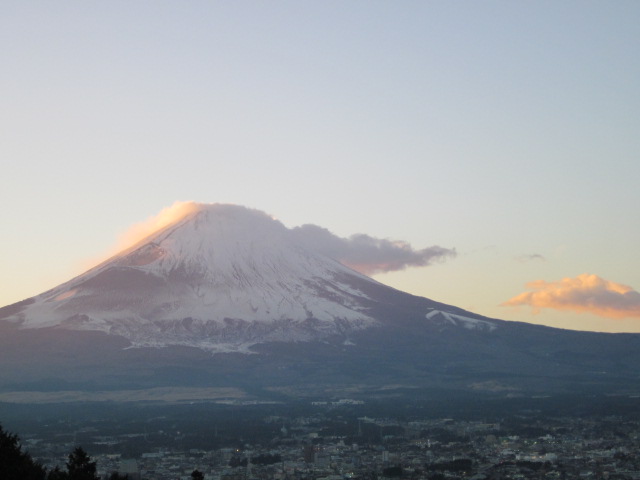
x=458, y=465
x=262, y=459
x=16, y=464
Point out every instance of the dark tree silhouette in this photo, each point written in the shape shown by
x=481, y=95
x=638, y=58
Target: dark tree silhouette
x=197, y=475
x=16, y=464
x=117, y=476
x=80, y=466
x=57, y=474
x=266, y=459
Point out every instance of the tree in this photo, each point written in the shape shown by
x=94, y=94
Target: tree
x=57, y=474
x=80, y=467
x=16, y=464
x=197, y=475
x=117, y=476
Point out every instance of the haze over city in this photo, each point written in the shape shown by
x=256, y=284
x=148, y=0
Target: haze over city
x=488, y=151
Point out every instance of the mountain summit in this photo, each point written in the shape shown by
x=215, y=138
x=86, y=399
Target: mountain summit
x=221, y=281
x=221, y=277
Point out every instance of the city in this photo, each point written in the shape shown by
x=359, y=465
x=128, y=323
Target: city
x=342, y=439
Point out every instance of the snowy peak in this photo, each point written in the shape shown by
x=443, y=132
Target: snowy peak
x=220, y=277
x=231, y=247
x=224, y=278
x=203, y=233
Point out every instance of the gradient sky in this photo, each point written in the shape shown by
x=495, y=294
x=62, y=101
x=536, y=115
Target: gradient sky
x=509, y=131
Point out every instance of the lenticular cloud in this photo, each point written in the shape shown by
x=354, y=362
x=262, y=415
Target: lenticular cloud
x=583, y=294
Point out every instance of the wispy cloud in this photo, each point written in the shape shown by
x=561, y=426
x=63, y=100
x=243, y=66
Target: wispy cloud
x=370, y=255
x=140, y=230
x=167, y=216
x=584, y=293
x=529, y=257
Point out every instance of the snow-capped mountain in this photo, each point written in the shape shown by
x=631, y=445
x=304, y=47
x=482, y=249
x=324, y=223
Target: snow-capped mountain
x=223, y=277
x=221, y=281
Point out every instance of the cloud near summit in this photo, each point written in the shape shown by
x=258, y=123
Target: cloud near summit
x=584, y=293
x=370, y=255
x=363, y=253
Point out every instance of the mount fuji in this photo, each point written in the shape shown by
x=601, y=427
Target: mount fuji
x=222, y=278
x=226, y=296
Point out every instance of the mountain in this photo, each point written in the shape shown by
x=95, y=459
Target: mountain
x=228, y=297
x=222, y=278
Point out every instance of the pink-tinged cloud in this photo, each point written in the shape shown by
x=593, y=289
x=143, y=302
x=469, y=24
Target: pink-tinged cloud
x=141, y=230
x=167, y=216
x=583, y=294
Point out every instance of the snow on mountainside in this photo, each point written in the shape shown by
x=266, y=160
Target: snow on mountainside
x=460, y=320
x=222, y=278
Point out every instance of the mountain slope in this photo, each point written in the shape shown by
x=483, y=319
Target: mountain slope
x=221, y=278
x=224, y=281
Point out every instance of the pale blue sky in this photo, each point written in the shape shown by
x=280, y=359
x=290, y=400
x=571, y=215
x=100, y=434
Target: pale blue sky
x=502, y=129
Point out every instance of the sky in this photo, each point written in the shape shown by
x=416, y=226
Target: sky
x=504, y=132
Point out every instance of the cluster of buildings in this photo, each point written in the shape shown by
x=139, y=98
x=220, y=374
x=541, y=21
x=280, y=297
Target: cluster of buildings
x=372, y=448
